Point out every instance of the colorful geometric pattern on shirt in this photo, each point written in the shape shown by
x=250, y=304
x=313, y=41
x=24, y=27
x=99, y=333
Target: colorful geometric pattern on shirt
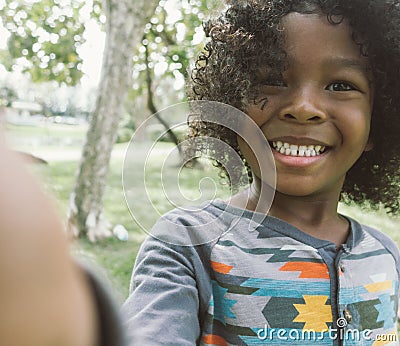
x=308, y=270
x=277, y=282
x=305, y=312
x=314, y=313
x=374, y=314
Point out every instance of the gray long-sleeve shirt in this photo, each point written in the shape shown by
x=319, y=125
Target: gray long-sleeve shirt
x=219, y=276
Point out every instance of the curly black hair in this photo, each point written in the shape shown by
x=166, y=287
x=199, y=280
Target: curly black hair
x=248, y=34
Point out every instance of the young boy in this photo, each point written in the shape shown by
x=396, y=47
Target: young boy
x=320, y=79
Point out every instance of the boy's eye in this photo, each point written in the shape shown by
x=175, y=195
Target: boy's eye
x=340, y=86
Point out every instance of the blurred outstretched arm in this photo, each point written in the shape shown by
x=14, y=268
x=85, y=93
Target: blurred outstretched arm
x=45, y=298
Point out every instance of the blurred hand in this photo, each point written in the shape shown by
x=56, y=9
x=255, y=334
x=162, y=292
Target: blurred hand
x=44, y=297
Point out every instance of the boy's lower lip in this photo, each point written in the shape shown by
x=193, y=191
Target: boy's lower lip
x=297, y=161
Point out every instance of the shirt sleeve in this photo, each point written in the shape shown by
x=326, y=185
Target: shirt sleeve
x=163, y=307
x=388, y=243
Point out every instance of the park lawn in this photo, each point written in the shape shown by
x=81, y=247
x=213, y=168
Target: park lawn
x=47, y=130
x=45, y=136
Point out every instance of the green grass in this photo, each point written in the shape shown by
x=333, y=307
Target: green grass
x=46, y=136
x=54, y=130
x=377, y=219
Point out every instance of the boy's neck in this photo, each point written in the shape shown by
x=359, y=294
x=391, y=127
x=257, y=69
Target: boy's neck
x=314, y=215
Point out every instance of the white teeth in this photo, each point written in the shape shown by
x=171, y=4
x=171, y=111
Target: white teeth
x=298, y=150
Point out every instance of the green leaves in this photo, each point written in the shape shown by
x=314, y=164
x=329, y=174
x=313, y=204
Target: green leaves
x=44, y=38
x=174, y=38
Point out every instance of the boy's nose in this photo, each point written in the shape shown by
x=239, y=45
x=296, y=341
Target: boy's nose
x=303, y=107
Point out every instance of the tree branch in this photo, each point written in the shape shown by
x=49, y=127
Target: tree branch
x=151, y=106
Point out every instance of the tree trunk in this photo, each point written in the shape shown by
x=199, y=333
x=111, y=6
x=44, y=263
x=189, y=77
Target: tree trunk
x=124, y=29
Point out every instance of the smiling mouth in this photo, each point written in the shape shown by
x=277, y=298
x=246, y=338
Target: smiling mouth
x=289, y=149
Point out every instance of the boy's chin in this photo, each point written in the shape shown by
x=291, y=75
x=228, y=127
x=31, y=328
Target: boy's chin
x=295, y=188
x=307, y=192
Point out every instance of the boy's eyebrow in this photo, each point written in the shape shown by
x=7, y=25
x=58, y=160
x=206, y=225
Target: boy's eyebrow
x=348, y=63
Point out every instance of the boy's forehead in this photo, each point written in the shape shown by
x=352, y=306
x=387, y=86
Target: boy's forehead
x=307, y=34
x=303, y=27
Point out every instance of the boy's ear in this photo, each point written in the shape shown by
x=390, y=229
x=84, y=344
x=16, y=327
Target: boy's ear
x=369, y=146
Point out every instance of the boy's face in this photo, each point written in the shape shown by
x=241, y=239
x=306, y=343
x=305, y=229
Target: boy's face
x=320, y=108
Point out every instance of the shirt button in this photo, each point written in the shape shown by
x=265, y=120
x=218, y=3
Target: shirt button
x=347, y=315
x=341, y=267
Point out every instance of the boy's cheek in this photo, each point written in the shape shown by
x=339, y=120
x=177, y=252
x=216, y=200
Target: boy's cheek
x=256, y=114
x=261, y=163
x=249, y=155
